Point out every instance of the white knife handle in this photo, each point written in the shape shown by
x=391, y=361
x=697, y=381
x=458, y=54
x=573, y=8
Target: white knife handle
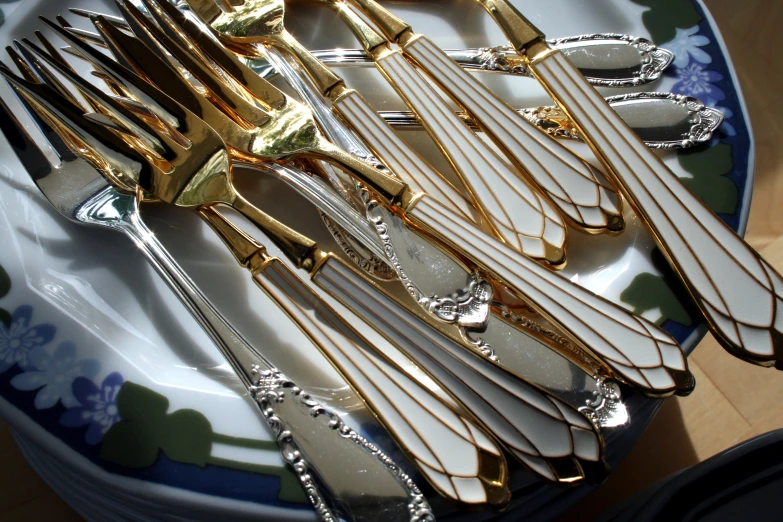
x=395, y=153
x=736, y=290
x=550, y=437
x=519, y=215
x=569, y=181
x=458, y=458
x=640, y=353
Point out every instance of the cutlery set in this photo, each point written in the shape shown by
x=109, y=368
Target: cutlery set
x=493, y=354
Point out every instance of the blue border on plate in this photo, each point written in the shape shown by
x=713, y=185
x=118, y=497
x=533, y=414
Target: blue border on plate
x=740, y=143
x=532, y=498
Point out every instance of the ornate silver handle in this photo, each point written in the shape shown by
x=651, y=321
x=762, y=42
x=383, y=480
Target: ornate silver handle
x=446, y=445
x=533, y=425
x=607, y=60
x=663, y=120
x=311, y=438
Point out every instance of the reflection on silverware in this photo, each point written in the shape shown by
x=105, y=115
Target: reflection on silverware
x=455, y=455
x=637, y=351
x=606, y=60
x=663, y=120
x=466, y=376
x=739, y=293
x=310, y=437
x=287, y=132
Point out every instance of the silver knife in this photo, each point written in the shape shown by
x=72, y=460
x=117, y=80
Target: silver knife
x=663, y=120
x=606, y=59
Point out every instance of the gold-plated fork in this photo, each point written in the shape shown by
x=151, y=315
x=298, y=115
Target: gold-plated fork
x=636, y=351
x=455, y=294
x=457, y=456
x=308, y=434
x=738, y=292
x=518, y=216
x=578, y=379
x=467, y=377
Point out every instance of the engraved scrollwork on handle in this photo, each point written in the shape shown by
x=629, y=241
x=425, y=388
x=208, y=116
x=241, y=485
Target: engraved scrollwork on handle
x=552, y=120
x=466, y=307
x=270, y=390
x=704, y=121
x=366, y=260
x=496, y=59
x=654, y=60
x=606, y=409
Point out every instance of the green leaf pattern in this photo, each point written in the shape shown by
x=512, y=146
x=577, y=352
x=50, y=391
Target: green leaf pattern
x=147, y=429
x=707, y=167
x=709, y=182
x=664, y=17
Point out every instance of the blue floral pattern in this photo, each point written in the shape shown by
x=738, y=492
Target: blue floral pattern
x=17, y=340
x=60, y=377
x=52, y=375
x=697, y=81
x=98, y=407
x=686, y=45
x=693, y=78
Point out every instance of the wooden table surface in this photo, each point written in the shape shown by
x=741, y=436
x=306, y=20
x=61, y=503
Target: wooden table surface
x=733, y=400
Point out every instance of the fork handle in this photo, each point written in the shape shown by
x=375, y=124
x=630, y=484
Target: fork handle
x=638, y=352
x=292, y=415
x=400, y=157
x=739, y=293
x=296, y=247
x=526, y=420
x=457, y=457
x=241, y=355
x=515, y=212
x=569, y=182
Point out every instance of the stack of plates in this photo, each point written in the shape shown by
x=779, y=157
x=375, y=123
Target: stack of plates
x=126, y=409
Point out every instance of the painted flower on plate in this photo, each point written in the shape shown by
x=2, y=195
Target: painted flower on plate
x=54, y=374
x=17, y=340
x=98, y=406
x=694, y=80
x=686, y=44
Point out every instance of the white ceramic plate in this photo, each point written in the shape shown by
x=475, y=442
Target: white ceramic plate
x=87, y=317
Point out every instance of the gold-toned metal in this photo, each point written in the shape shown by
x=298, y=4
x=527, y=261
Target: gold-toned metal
x=520, y=32
x=739, y=294
x=332, y=334
x=187, y=176
x=252, y=133
x=368, y=38
x=461, y=236
x=391, y=26
x=405, y=197
x=260, y=22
